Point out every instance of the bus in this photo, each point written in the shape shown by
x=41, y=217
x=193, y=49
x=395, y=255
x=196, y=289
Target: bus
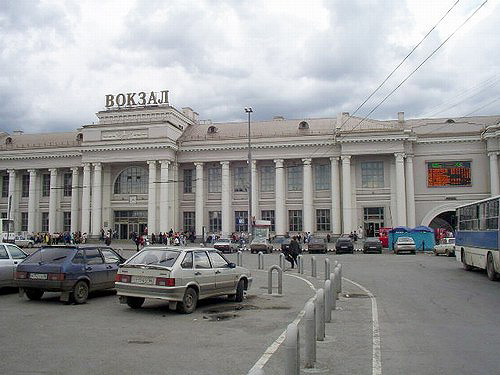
x=7, y=230
x=477, y=241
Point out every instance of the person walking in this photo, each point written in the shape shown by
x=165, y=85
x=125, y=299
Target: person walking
x=294, y=251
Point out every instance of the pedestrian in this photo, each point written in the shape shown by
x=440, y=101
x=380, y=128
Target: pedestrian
x=294, y=250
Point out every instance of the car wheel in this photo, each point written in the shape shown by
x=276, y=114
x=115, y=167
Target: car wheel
x=135, y=302
x=189, y=301
x=240, y=291
x=464, y=262
x=81, y=292
x=436, y=253
x=490, y=268
x=34, y=294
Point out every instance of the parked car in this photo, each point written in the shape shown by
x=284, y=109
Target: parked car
x=10, y=256
x=316, y=245
x=372, y=245
x=285, y=245
x=180, y=276
x=344, y=244
x=446, y=246
x=261, y=244
x=24, y=242
x=226, y=245
x=72, y=270
x=404, y=244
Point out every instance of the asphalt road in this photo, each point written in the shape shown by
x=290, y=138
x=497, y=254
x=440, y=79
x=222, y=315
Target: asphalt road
x=435, y=318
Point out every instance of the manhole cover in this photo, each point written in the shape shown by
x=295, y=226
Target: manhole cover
x=139, y=342
x=356, y=295
x=219, y=317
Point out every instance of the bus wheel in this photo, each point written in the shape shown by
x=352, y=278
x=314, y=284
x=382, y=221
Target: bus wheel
x=464, y=262
x=490, y=268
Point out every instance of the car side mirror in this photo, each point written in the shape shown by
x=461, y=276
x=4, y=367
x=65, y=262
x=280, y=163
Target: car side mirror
x=231, y=265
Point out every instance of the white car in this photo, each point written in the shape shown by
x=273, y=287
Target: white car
x=226, y=245
x=24, y=242
x=10, y=257
x=446, y=246
x=405, y=244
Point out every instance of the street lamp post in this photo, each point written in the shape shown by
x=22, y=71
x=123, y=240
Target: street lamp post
x=249, y=110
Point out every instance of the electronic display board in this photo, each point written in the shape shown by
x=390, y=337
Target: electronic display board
x=448, y=173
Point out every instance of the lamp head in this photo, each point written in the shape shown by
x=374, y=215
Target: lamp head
x=248, y=109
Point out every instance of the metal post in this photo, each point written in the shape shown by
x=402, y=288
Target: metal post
x=339, y=267
x=282, y=261
x=313, y=266
x=292, y=352
x=327, y=268
x=300, y=264
x=260, y=257
x=249, y=110
x=270, y=279
x=239, y=258
x=333, y=287
x=328, y=301
x=310, y=335
x=320, y=315
x=337, y=277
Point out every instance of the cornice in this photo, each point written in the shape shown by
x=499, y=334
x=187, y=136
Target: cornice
x=104, y=148
x=448, y=140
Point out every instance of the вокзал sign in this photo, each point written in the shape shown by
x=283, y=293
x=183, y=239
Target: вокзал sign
x=132, y=99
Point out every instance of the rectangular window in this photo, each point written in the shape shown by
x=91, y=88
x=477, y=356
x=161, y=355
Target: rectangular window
x=45, y=221
x=372, y=174
x=323, y=220
x=67, y=181
x=241, y=221
x=295, y=178
x=322, y=176
x=214, y=221
x=240, y=179
x=267, y=178
x=295, y=220
x=214, y=180
x=45, y=185
x=5, y=186
x=189, y=221
x=25, y=185
x=268, y=215
x=66, y=221
x=188, y=180
x=24, y=221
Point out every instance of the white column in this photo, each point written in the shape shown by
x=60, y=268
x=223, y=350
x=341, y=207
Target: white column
x=164, y=204
x=280, y=210
x=53, y=204
x=410, y=191
x=12, y=200
x=32, y=201
x=74, y=199
x=335, y=186
x=400, y=189
x=494, y=183
x=199, y=201
x=226, y=200
x=255, y=191
x=86, y=199
x=97, y=201
x=174, y=193
x=152, y=198
x=346, y=193
x=307, y=195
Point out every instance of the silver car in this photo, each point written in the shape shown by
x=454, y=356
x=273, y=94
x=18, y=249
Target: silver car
x=10, y=257
x=179, y=276
x=405, y=244
x=446, y=246
x=226, y=245
x=24, y=242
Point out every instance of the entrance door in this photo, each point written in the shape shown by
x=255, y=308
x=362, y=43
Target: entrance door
x=123, y=231
x=373, y=220
x=133, y=227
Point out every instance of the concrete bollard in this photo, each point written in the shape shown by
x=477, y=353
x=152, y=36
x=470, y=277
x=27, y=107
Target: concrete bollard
x=292, y=350
x=340, y=277
x=310, y=335
x=313, y=266
x=239, y=258
x=270, y=279
x=327, y=268
x=337, y=277
x=300, y=263
x=328, y=301
x=282, y=261
x=256, y=371
x=335, y=263
x=333, y=287
x=260, y=257
x=320, y=315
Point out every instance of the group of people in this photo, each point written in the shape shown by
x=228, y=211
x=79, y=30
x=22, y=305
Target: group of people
x=66, y=238
x=163, y=238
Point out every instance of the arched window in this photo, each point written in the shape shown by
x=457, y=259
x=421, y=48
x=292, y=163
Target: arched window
x=303, y=125
x=450, y=121
x=133, y=180
x=212, y=130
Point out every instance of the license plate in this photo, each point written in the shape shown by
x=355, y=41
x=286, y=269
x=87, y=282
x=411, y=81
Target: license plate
x=343, y=247
x=373, y=247
x=38, y=276
x=143, y=280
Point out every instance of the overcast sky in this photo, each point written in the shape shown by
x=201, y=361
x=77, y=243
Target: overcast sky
x=298, y=59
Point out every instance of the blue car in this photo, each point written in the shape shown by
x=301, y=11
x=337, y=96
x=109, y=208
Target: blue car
x=72, y=270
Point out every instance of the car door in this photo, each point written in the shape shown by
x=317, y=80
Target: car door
x=16, y=255
x=204, y=274
x=225, y=277
x=111, y=260
x=95, y=269
x=6, y=267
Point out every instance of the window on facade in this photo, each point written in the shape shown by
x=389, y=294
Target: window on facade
x=373, y=214
x=215, y=221
x=214, y=180
x=295, y=178
x=240, y=179
x=66, y=221
x=133, y=180
x=267, y=178
x=67, y=181
x=5, y=186
x=268, y=215
x=188, y=180
x=372, y=174
x=45, y=185
x=323, y=220
x=295, y=220
x=322, y=176
x=25, y=186
x=45, y=221
x=241, y=221
x=189, y=221
x=24, y=221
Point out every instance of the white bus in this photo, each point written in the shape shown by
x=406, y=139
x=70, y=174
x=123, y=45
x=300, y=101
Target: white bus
x=477, y=236
x=7, y=230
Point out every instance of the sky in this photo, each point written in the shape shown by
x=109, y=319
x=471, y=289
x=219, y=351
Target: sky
x=296, y=59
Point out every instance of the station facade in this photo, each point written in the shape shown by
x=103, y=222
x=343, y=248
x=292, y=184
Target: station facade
x=158, y=167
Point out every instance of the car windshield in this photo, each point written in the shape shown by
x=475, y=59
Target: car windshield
x=344, y=240
x=159, y=257
x=50, y=255
x=316, y=240
x=449, y=240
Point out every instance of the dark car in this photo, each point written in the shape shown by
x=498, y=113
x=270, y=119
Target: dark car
x=72, y=270
x=316, y=245
x=344, y=245
x=285, y=245
x=372, y=245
